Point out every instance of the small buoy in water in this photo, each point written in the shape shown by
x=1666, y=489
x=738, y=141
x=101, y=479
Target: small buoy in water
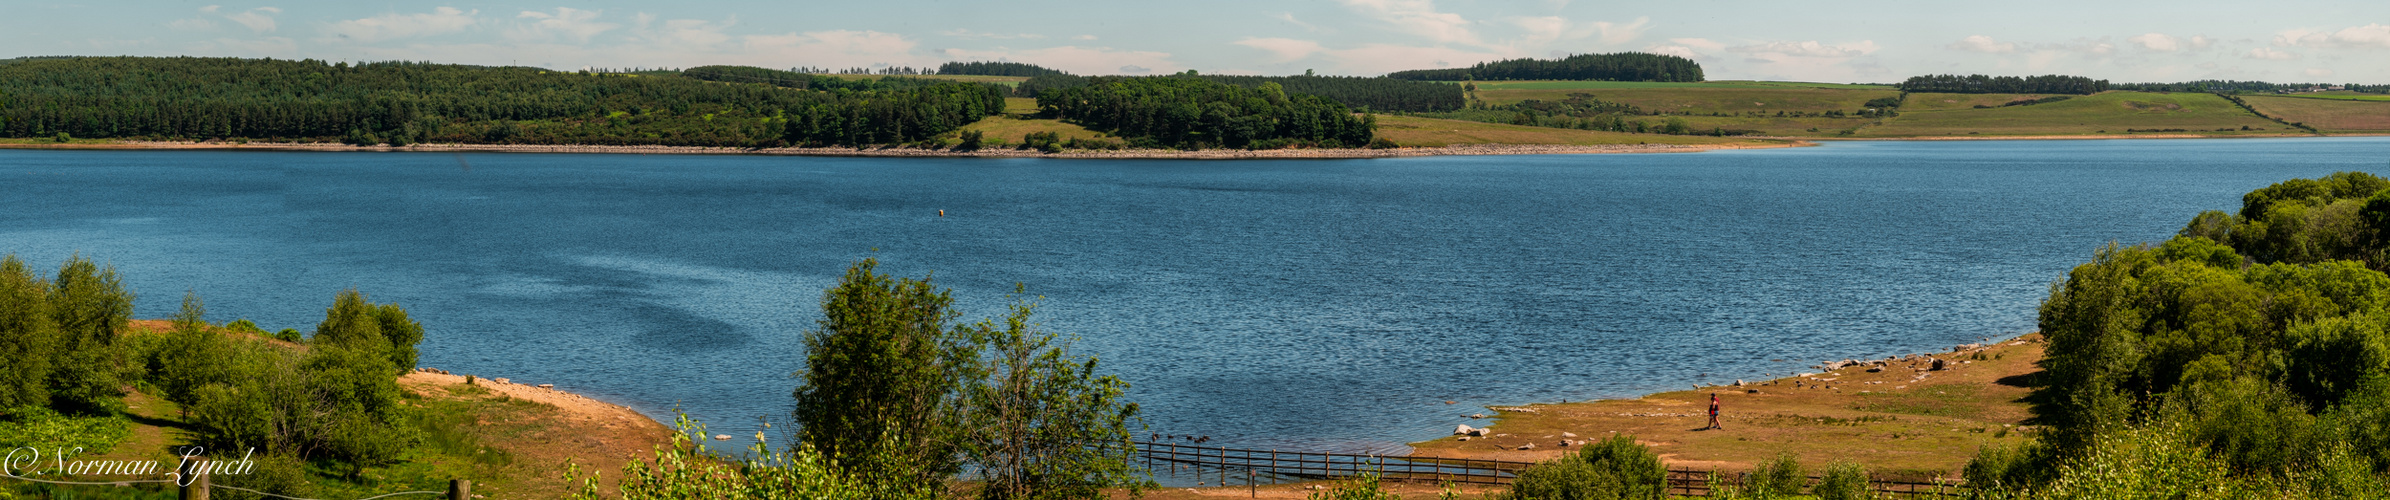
x=941, y=213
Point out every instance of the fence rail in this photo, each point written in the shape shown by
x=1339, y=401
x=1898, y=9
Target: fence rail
x=1224, y=466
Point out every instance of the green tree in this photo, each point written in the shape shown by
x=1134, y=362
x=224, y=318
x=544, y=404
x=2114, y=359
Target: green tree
x=91, y=309
x=355, y=323
x=27, y=333
x=1043, y=424
x=882, y=372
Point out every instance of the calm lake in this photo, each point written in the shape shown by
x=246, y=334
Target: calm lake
x=1324, y=305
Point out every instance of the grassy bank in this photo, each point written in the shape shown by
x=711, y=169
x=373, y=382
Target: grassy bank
x=1410, y=131
x=509, y=446
x=2328, y=115
x=1903, y=418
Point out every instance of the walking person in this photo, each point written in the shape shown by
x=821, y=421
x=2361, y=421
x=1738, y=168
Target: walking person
x=1713, y=412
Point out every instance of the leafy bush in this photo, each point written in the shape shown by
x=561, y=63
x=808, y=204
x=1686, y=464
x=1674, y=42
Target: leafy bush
x=1778, y=477
x=685, y=469
x=1366, y=486
x=1614, y=468
x=1843, y=481
x=49, y=431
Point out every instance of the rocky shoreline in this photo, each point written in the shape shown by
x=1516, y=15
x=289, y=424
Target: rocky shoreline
x=1213, y=154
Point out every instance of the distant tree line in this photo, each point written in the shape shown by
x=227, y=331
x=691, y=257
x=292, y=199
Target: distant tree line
x=995, y=68
x=1984, y=84
x=1037, y=85
x=1196, y=113
x=401, y=103
x=1375, y=94
x=808, y=81
x=1623, y=67
x=2236, y=86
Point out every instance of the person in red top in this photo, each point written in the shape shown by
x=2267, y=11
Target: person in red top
x=1714, y=411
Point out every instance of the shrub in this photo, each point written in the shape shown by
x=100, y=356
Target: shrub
x=1363, y=487
x=1843, y=481
x=1614, y=468
x=1778, y=477
x=685, y=469
x=971, y=140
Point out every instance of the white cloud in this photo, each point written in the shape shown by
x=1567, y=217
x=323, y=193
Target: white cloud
x=2270, y=54
x=965, y=33
x=1083, y=37
x=1689, y=48
x=259, y=20
x=1283, y=49
x=1984, y=44
x=394, y=25
x=192, y=24
x=1076, y=59
x=2318, y=72
x=2368, y=36
x=1810, y=48
x=692, y=35
x=1419, y=17
x=2160, y=42
x=1614, y=33
x=1674, y=50
x=833, y=49
x=1810, y=60
x=1289, y=17
x=2201, y=42
x=575, y=24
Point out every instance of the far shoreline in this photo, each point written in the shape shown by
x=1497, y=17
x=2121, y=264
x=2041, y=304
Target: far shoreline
x=903, y=152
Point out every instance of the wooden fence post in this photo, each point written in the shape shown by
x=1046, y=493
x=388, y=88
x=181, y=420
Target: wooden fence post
x=195, y=488
x=460, y=489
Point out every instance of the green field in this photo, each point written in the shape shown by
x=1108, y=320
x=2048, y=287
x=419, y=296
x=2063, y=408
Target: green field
x=1435, y=132
x=1709, y=100
x=1580, y=84
x=1020, y=105
x=1010, y=129
x=2104, y=113
x=1927, y=101
x=2329, y=115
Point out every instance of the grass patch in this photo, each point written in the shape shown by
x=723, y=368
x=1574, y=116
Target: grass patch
x=1582, y=84
x=1928, y=101
x=1020, y=105
x=2326, y=114
x=2104, y=113
x=1011, y=129
x=1433, y=132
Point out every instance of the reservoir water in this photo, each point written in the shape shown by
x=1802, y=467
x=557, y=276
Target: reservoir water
x=1322, y=305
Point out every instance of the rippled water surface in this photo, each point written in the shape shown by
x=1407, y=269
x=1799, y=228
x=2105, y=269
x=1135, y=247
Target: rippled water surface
x=1330, y=304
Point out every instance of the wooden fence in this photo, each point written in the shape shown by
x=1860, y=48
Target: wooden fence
x=1224, y=466
x=1246, y=465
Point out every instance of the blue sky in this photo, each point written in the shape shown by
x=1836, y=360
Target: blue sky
x=1831, y=41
